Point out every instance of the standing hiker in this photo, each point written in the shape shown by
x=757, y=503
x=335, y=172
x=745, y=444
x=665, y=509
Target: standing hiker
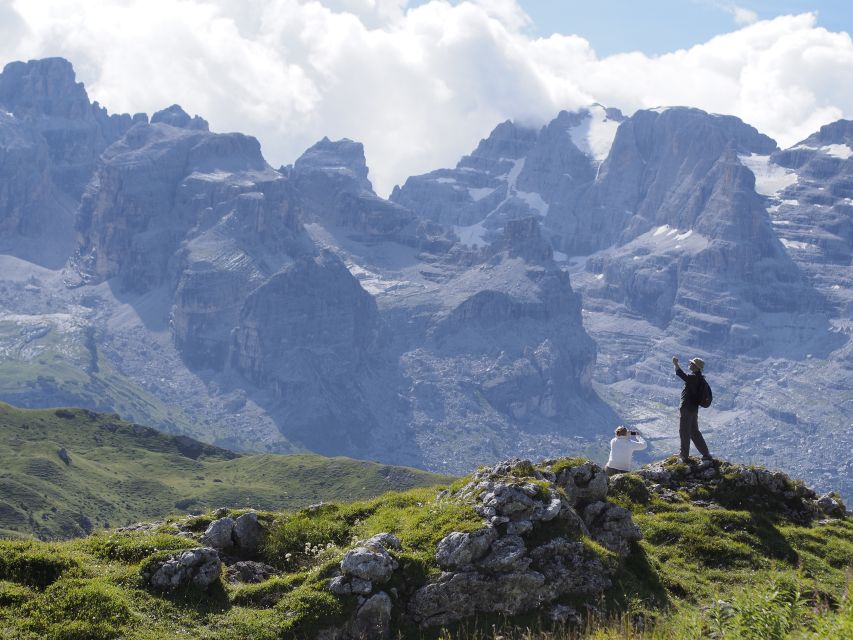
x=622, y=447
x=691, y=395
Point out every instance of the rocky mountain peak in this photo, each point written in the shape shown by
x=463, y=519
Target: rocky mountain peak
x=45, y=95
x=175, y=116
x=331, y=181
x=838, y=132
x=46, y=87
x=340, y=160
x=507, y=141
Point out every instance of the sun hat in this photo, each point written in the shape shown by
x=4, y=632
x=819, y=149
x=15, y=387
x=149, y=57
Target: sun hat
x=699, y=362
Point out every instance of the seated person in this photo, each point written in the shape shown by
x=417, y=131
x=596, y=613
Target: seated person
x=622, y=448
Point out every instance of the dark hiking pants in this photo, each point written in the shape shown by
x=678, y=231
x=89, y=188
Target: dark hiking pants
x=688, y=429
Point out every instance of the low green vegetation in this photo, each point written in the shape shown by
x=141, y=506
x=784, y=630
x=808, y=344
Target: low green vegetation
x=702, y=570
x=113, y=473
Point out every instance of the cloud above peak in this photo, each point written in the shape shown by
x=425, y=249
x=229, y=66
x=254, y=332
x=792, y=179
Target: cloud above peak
x=419, y=86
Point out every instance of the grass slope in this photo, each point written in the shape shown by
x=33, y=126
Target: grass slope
x=121, y=473
x=41, y=364
x=699, y=572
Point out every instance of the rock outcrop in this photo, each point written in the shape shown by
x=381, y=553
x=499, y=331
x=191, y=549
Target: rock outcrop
x=707, y=482
x=241, y=536
x=199, y=567
x=528, y=553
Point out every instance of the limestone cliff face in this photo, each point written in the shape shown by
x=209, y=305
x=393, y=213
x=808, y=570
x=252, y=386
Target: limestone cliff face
x=654, y=174
x=199, y=213
x=26, y=188
x=695, y=248
x=45, y=95
x=529, y=332
x=331, y=183
x=308, y=334
x=161, y=183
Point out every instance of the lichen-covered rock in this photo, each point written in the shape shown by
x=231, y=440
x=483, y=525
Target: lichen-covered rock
x=459, y=595
x=507, y=555
x=630, y=486
x=248, y=534
x=831, y=505
x=373, y=618
x=457, y=549
x=220, y=534
x=249, y=571
x=586, y=482
x=199, y=567
x=371, y=563
x=612, y=526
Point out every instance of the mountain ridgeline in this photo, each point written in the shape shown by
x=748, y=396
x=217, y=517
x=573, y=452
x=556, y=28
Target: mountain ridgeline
x=521, y=303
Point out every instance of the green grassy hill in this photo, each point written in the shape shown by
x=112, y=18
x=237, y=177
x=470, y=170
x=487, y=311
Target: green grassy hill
x=714, y=562
x=118, y=473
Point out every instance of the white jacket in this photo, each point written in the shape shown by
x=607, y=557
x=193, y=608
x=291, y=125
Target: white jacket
x=621, y=450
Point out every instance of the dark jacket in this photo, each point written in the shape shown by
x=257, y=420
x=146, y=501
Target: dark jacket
x=692, y=391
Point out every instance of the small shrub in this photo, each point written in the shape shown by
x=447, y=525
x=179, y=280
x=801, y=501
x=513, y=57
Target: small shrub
x=133, y=547
x=32, y=563
x=268, y=592
x=310, y=608
x=567, y=463
x=288, y=540
x=631, y=488
x=198, y=524
x=13, y=594
x=78, y=609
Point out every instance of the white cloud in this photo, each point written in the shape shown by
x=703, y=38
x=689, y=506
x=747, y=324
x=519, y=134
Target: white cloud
x=418, y=85
x=744, y=16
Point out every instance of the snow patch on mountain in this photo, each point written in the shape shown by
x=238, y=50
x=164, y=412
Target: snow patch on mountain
x=534, y=201
x=842, y=151
x=473, y=235
x=796, y=244
x=479, y=194
x=594, y=136
x=770, y=178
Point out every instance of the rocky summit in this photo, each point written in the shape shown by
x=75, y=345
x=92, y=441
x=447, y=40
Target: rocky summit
x=521, y=303
x=553, y=546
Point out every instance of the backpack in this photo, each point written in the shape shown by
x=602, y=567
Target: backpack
x=705, y=395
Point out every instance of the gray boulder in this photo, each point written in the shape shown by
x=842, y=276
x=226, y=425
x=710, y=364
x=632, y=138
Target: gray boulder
x=612, y=526
x=373, y=618
x=248, y=533
x=586, y=482
x=249, y=571
x=387, y=540
x=831, y=505
x=568, y=568
x=508, y=555
x=459, y=595
x=371, y=563
x=220, y=534
x=457, y=549
x=199, y=567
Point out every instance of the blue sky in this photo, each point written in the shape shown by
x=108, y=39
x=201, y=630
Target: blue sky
x=660, y=26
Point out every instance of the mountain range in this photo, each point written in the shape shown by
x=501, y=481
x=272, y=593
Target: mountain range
x=521, y=303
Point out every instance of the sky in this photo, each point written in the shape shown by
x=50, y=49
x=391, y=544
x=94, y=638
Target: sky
x=420, y=82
